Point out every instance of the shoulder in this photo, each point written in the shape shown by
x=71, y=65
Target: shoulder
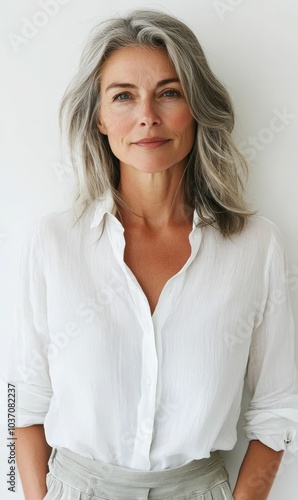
x=262, y=232
x=257, y=232
x=56, y=230
x=261, y=239
x=260, y=228
x=62, y=224
x=257, y=242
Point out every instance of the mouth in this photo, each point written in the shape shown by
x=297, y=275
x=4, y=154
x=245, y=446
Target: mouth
x=151, y=142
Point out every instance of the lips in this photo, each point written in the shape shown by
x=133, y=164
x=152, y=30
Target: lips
x=151, y=142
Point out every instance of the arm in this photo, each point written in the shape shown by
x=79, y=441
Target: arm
x=272, y=415
x=29, y=371
x=32, y=455
x=257, y=472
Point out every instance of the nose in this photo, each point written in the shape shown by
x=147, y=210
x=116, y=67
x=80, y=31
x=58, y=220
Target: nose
x=149, y=115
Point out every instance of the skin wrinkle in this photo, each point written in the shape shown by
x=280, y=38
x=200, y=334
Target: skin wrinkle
x=154, y=107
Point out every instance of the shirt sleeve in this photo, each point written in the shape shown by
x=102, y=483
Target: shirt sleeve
x=272, y=415
x=29, y=362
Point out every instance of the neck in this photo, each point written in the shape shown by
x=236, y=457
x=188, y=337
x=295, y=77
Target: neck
x=153, y=199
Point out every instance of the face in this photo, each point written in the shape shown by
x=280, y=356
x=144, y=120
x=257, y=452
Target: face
x=143, y=110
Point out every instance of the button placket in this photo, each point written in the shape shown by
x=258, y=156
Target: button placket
x=147, y=403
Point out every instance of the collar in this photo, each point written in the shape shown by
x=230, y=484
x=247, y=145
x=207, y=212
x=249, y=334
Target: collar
x=104, y=206
x=196, y=219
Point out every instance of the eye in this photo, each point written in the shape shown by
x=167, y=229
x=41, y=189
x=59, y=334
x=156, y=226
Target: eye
x=171, y=93
x=123, y=96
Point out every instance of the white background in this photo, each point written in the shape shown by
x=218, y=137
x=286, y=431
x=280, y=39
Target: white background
x=252, y=47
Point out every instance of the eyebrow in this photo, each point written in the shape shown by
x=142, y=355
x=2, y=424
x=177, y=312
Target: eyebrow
x=132, y=86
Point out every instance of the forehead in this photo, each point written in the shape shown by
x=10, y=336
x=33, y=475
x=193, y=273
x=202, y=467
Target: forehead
x=137, y=62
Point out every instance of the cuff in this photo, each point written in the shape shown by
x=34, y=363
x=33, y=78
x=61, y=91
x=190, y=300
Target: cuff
x=277, y=429
x=32, y=404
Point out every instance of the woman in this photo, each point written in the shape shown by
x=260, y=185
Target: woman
x=147, y=305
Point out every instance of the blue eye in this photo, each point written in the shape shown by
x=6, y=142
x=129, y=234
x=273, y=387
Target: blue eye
x=171, y=93
x=123, y=96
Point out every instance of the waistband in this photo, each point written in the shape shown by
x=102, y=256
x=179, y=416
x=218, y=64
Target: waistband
x=90, y=475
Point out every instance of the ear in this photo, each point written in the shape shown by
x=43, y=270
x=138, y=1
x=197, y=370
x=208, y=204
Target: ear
x=101, y=126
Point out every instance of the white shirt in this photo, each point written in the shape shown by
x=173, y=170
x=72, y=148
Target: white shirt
x=113, y=383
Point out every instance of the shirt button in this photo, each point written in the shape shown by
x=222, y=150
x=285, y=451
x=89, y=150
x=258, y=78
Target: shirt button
x=149, y=380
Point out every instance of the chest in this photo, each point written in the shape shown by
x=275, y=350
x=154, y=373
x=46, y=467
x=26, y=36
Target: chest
x=154, y=258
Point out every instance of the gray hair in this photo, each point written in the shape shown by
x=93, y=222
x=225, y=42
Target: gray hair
x=213, y=182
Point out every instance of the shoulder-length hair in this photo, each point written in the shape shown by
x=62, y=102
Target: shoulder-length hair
x=213, y=178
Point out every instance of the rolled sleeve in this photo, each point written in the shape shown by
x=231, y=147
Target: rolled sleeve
x=33, y=404
x=29, y=367
x=272, y=416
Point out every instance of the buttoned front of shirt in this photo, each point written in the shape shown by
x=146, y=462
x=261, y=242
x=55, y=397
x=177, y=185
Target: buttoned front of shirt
x=113, y=382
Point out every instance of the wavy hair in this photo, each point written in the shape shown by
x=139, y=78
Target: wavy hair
x=216, y=169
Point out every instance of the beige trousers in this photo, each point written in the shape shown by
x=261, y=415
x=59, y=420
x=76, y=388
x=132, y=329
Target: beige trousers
x=73, y=477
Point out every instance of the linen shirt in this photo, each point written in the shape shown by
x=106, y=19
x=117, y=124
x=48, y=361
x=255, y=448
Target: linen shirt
x=115, y=383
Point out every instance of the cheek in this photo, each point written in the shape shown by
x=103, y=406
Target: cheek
x=117, y=133
x=182, y=120
x=116, y=124
x=187, y=127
